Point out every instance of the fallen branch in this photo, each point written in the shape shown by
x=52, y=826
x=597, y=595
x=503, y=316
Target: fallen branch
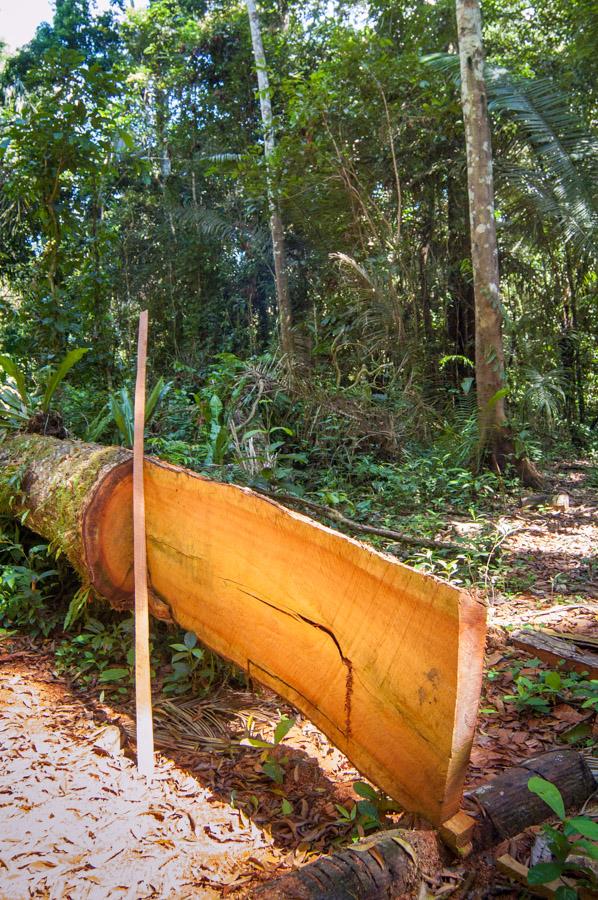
x=554, y=649
x=336, y=516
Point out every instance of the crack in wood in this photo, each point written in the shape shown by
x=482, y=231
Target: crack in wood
x=344, y=659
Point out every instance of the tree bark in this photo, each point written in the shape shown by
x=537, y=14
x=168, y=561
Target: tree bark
x=390, y=863
x=489, y=354
x=276, y=225
x=504, y=807
x=53, y=484
x=385, y=660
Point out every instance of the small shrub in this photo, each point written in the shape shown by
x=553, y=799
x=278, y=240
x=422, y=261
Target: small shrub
x=576, y=837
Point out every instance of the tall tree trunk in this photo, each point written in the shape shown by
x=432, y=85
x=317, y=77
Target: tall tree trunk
x=276, y=225
x=489, y=354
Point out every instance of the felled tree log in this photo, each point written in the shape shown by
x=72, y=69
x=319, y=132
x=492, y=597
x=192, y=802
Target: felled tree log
x=555, y=650
x=504, y=807
x=385, y=660
x=389, y=864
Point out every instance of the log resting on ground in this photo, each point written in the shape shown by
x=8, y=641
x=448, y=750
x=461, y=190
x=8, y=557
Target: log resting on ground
x=390, y=864
x=385, y=660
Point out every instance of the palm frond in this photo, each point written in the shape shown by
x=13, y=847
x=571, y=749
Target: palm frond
x=558, y=186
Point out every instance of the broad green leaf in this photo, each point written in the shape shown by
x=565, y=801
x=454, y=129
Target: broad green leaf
x=287, y=807
x=120, y=408
x=585, y=848
x=553, y=680
x=584, y=826
x=365, y=790
x=544, y=872
x=189, y=640
x=113, y=674
x=367, y=808
x=566, y=893
x=499, y=395
x=549, y=793
x=157, y=394
x=282, y=729
x=76, y=607
x=11, y=368
x=59, y=374
x=273, y=771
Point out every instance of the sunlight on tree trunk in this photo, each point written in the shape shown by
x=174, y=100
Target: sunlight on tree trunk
x=489, y=354
x=276, y=225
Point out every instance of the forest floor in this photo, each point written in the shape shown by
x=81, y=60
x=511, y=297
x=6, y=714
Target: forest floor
x=79, y=821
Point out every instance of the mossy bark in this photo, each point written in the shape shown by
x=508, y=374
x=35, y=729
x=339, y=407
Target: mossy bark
x=52, y=483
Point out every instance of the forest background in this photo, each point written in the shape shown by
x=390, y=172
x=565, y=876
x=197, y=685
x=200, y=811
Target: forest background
x=133, y=176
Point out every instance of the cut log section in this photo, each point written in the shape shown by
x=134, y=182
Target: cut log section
x=385, y=660
x=504, y=807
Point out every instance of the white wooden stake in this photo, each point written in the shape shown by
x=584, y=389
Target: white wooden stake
x=143, y=688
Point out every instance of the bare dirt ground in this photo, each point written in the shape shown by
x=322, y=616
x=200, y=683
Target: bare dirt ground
x=77, y=821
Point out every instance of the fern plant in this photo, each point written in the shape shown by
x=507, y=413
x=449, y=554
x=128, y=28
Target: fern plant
x=543, y=394
x=557, y=188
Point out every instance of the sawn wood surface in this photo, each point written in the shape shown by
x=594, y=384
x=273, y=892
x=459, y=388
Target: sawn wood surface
x=385, y=660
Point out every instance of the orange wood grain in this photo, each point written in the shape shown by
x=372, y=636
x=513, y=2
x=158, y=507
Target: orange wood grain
x=385, y=660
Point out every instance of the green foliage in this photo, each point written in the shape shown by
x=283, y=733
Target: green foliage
x=368, y=813
x=17, y=405
x=132, y=177
x=272, y=763
x=101, y=654
x=189, y=670
x=575, y=837
x=122, y=411
x=32, y=583
x=218, y=437
x=77, y=607
x=57, y=375
x=540, y=694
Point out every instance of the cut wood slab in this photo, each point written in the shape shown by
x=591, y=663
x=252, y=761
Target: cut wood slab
x=557, y=649
x=385, y=660
x=518, y=872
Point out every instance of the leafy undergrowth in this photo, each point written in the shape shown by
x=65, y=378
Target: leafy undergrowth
x=264, y=760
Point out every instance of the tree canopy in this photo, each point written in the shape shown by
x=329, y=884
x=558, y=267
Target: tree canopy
x=133, y=176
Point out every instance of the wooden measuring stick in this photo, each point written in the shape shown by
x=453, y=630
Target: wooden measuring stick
x=143, y=689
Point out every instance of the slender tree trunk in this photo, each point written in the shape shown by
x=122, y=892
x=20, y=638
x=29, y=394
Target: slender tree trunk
x=276, y=225
x=489, y=354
